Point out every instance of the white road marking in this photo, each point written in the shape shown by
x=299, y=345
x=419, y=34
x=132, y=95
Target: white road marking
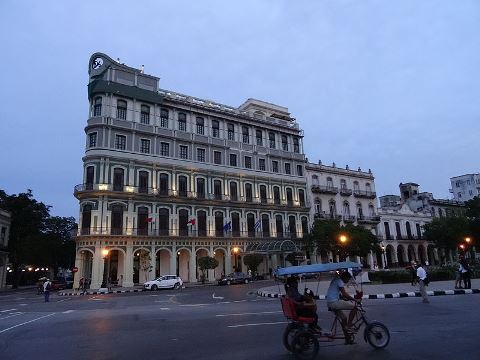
x=63, y=300
x=7, y=310
x=23, y=304
x=164, y=308
x=162, y=301
x=237, y=301
x=153, y=295
x=27, y=322
x=216, y=297
x=12, y=315
x=191, y=305
x=68, y=311
x=258, y=324
x=251, y=313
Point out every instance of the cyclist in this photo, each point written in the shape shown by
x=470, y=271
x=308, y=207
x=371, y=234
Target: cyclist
x=338, y=299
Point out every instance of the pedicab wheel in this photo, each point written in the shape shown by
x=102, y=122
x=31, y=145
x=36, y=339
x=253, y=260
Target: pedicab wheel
x=377, y=335
x=305, y=345
x=289, y=334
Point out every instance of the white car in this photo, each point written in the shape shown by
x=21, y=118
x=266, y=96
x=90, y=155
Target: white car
x=164, y=282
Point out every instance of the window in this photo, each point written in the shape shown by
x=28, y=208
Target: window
x=233, y=160
x=258, y=136
x=296, y=145
x=142, y=223
x=275, y=166
x=371, y=210
x=182, y=122
x=200, y=126
x=183, y=222
x=409, y=230
x=217, y=189
x=117, y=220
x=86, y=222
x=182, y=186
x=183, y=152
x=399, y=232
x=120, y=142
x=279, y=225
x=387, y=231
x=332, y=208
x=356, y=187
x=248, y=193
x=304, y=226
x=97, y=107
x=368, y=188
x=163, y=221
x=271, y=138
x=164, y=118
x=233, y=191
x=164, y=149
x=284, y=143
x=263, y=194
x=318, y=206
x=359, y=211
x=329, y=182
x=163, y=185
x=202, y=223
x=261, y=164
x=217, y=157
x=292, y=226
x=346, y=210
x=215, y=129
x=276, y=195
x=248, y=162
x=92, y=139
x=301, y=197
x=201, y=155
x=218, y=223
x=289, y=197
x=200, y=188
x=118, y=179
x=251, y=225
x=287, y=168
x=89, y=178
x=265, y=225
x=419, y=232
x=299, y=170
x=230, y=132
x=145, y=146
x=235, y=224
x=122, y=109
x=145, y=114
x=143, y=182
x=343, y=184
x=245, y=137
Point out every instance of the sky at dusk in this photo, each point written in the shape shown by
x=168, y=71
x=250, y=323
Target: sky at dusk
x=393, y=86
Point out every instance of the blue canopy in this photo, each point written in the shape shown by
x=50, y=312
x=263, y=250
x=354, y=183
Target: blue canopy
x=315, y=268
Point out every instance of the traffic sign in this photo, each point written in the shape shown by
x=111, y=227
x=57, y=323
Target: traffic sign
x=75, y=269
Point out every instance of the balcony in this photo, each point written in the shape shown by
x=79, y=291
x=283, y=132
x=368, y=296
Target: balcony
x=368, y=219
x=345, y=192
x=324, y=216
x=321, y=189
x=348, y=218
x=364, y=194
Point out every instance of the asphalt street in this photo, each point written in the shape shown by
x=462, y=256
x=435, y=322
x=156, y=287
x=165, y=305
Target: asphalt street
x=219, y=323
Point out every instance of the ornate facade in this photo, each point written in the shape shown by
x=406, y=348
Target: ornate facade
x=169, y=178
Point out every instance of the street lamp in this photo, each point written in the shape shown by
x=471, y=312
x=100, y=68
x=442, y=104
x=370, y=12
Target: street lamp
x=235, y=252
x=384, y=257
x=343, y=241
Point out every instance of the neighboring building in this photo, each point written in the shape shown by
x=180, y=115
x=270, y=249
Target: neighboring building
x=169, y=178
x=465, y=187
x=401, y=226
x=342, y=194
x=5, y=221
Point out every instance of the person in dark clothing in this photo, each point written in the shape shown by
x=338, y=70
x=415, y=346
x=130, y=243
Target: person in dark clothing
x=466, y=275
x=304, y=304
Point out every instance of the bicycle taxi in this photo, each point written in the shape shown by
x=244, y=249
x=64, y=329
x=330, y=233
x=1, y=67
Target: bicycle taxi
x=300, y=339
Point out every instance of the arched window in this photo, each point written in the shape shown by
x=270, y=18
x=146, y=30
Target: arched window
x=143, y=182
x=182, y=186
x=89, y=178
x=163, y=222
x=233, y=191
x=183, y=222
x=217, y=189
x=163, y=185
x=292, y=226
x=368, y=187
x=276, y=195
x=117, y=220
x=409, y=230
x=346, y=210
x=142, y=221
x=200, y=126
x=235, y=224
x=289, y=197
x=265, y=225
x=202, y=223
x=329, y=182
x=251, y=225
x=97, y=107
x=371, y=210
x=419, y=232
x=182, y=122
x=332, y=208
x=86, y=219
x=343, y=184
x=304, y=226
x=200, y=188
x=118, y=179
x=359, y=211
x=248, y=193
x=318, y=206
x=279, y=225
x=263, y=194
x=314, y=180
x=356, y=187
x=145, y=114
x=122, y=109
x=164, y=118
x=219, y=224
x=301, y=197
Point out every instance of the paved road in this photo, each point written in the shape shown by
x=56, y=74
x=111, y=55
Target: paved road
x=218, y=323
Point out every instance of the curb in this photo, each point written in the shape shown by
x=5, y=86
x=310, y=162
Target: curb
x=390, y=296
x=99, y=292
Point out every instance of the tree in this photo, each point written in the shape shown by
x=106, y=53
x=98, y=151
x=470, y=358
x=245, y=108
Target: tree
x=206, y=263
x=145, y=263
x=27, y=229
x=58, y=248
x=447, y=232
x=252, y=261
x=473, y=215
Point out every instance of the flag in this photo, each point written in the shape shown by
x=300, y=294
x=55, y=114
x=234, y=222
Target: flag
x=257, y=225
x=191, y=222
x=227, y=226
x=149, y=220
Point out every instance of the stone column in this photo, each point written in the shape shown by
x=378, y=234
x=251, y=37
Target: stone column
x=173, y=261
x=228, y=260
x=192, y=271
x=153, y=263
x=97, y=268
x=128, y=270
x=370, y=260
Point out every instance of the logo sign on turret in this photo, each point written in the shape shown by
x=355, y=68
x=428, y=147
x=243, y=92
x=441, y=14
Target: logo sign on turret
x=97, y=63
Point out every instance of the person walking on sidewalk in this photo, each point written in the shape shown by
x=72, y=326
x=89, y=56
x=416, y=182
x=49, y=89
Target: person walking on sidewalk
x=46, y=289
x=422, y=282
x=466, y=274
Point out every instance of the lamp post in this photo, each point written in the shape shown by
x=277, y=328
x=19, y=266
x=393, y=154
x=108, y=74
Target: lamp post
x=384, y=257
x=235, y=252
x=107, y=273
x=343, y=241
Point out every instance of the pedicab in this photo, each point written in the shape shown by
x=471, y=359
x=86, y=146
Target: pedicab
x=302, y=341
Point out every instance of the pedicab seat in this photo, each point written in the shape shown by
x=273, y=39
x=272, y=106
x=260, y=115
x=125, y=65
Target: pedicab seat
x=290, y=311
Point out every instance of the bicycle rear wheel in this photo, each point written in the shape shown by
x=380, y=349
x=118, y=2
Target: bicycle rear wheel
x=377, y=335
x=289, y=334
x=305, y=345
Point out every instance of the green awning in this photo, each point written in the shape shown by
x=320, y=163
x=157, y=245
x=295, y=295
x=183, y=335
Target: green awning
x=272, y=247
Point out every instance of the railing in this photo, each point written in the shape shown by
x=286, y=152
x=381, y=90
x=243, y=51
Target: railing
x=158, y=192
x=368, y=219
x=365, y=194
x=324, y=189
x=348, y=218
x=183, y=232
x=345, y=191
x=328, y=216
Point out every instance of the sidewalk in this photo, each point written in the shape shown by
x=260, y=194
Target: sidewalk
x=378, y=291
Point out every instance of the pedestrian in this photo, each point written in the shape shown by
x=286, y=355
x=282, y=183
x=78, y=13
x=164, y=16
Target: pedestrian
x=46, y=289
x=466, y=274
x=375, y=266
x=80, y=284
x=458, y=276
x=413, y=273
x=422, y=282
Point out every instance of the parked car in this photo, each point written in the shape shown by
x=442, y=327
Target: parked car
x=235, y=278
x=164, y=282
x=58, y=285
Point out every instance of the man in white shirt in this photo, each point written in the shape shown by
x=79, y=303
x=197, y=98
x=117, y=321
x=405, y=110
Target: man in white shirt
x=422, y=275
x=46, y=289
